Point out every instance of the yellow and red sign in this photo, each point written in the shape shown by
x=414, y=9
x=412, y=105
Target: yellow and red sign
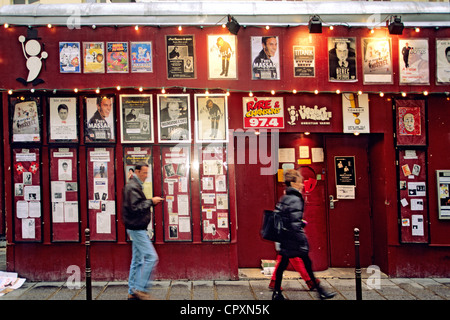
x=263, y=112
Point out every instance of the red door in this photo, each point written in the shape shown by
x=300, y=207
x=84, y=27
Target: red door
x=347, y=164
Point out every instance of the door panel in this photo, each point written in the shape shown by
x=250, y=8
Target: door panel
x=348, y=214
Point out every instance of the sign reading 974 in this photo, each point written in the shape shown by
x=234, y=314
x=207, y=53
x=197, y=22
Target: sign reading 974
x=263, y=112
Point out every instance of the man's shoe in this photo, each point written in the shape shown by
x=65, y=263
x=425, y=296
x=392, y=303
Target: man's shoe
x=141, y=295
x=132, y=297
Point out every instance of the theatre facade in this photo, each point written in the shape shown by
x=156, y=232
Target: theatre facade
x=219, y=116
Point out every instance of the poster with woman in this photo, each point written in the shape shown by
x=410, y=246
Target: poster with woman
x=211, y=118
x=117, y=57
x=413, y=61
x=222, y=57
x=94, y=57
x=377, y=61
x=443, y=61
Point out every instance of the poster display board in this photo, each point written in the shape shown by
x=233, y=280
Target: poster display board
x=177, y=193
x=63, y=113
x=214, y=201
x=26, y=177
x=64, y=189
x=443, y=185
x=132, y=156
x=136, y=118
x=413, y=204
x=25, y=123
x=101, y=193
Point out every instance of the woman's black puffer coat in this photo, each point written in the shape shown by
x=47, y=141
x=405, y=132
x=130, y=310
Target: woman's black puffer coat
x=293, y=239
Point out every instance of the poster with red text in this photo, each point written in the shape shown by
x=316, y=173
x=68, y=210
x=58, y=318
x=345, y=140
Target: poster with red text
x=263, y=112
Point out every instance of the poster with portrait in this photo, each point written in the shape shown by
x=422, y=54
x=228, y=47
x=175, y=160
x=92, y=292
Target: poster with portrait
x=265, y=58
x=173, y=118
x=377, y=60
x=94, y=57
x=136, y=118
x=222, y=57
x=180, y=56
x=211, y=114
x=410, y=122
x=413, y=61
x=69, y=57
x=304, y=61
x=63, y=113
x=141, y=56
x=99, y=119
x=117, y=57
x=342, y=59
x=25, y=123
x=443, y=61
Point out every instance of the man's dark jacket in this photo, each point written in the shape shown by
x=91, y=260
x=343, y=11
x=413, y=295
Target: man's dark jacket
x=135, y=206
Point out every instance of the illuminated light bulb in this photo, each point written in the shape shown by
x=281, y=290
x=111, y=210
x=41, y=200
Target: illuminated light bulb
x=372, y=31
x=180, y=28
x=257, y=132
x=75, y=90
x=49, y=26
x=224, y=26
x=206, y=91
x=94, y=26
x=32, y=90
x=294, y=91
x=163, y=90
x=141, y=89
x=338, y=91
x=97, y=90
x=6, y=26
x=228, y=93
x=331, y=27
x=10, y=92
x=359, y=92
x=356, y=133
x=307, y=133
x=316, y=91
x=267, y=27
x=381, y=94
x=136, y=28
x=250, y=94
x=403, y=94
x=417, y=29
x=118, y=88
x=272, y=92
x=425, y=93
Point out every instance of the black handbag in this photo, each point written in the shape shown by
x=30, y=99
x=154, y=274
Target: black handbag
x=272, y=225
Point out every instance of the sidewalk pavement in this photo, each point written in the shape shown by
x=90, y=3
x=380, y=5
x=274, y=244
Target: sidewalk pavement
x=252, y=286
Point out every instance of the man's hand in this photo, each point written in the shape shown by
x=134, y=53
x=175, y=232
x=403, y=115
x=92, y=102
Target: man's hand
x=156, y=200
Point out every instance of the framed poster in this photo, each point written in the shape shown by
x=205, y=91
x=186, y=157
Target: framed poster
x=173, y=118
x=132, y=156
x=443, y=61
x=99, y=119
x=141, y=56
x=117, y=57
x=180, y=56
x=63, y=120
x=443, y=188
x=214, y=198
x=222, y=57
x=355, y=112
x=65, y=217
x=177, y=193
x=69, y=57
x=342, y=59
x=27, y=200
x=304, y=61
x=345, y=177
x=413, y=61
x=265, y=58
x=102, y=219
x=93, y=57
x=136, y=118
x=25, y=123
x=410, y=122
x=377, y=60
x=211, y=118
x=413, y=196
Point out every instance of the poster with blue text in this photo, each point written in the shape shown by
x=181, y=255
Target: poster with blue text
x=141, y=57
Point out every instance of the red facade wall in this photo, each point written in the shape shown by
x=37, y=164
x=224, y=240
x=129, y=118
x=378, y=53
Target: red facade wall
x=250, y=193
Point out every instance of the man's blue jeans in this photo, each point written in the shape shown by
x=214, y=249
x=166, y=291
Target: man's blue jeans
x=143, y=261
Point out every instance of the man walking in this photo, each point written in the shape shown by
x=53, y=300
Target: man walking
x=136, y=217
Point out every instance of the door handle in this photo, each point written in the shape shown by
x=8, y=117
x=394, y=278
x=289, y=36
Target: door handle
x=332, y=201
